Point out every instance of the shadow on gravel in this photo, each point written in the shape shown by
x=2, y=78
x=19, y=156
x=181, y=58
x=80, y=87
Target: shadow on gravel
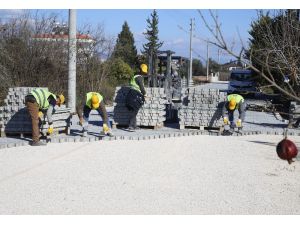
x=264, y=143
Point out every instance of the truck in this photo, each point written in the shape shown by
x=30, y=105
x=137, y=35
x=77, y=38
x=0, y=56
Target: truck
x=242, y=81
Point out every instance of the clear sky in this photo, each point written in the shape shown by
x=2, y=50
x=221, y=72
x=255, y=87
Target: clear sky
x=173, y=26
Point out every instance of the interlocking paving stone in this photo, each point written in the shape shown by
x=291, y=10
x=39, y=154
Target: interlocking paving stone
x=152, y=112
x=255, y=123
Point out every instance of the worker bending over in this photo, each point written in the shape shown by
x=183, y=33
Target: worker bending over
x=93, y=100
x=234, y=101
x=38, y=102
x=136, y=96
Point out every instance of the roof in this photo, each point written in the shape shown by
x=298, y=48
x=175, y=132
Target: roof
x=63, y=36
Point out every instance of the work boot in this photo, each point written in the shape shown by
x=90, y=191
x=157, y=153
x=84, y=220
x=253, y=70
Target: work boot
x=110, y=134
x=131, y=129
x=102, y=133
x=38, y=143
x=84, y=133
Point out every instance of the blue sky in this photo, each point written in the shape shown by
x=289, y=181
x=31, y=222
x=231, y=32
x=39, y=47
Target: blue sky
x=173, y=26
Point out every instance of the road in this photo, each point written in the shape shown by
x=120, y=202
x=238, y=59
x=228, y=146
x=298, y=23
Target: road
x=182, y=175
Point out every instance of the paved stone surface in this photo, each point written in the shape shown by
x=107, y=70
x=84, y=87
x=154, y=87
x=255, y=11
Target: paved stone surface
x=183, y=175
x=255, y=123
x=221, y=85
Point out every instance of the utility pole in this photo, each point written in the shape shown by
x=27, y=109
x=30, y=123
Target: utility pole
x=190, y=78
x=207, y=60
x=217, y=32
x=72, y=61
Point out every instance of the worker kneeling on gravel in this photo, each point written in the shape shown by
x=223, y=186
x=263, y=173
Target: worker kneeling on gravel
x=234, y=101
x=136, y=96
x=93, y=101
x=38, y=102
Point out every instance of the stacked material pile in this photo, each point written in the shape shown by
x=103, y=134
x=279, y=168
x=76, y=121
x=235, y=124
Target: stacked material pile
x=184, y=82
x=14, y=117
x=294, y=111
x=152, y=113
x=201, y=108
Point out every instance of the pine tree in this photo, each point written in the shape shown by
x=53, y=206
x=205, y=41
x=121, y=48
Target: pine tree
x=125, y=48
x=152, y=47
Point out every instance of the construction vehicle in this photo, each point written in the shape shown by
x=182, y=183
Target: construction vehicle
x=242, y=82
x=168, y=77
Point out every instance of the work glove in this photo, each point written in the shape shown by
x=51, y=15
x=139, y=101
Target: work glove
x=106, y=131
x=40, y=114
x=105, y=128
x=239, y=123
x=50, y=129
x=225, y=119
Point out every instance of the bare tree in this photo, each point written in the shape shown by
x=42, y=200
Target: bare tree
x=277, y=58
x=92, y=69
x=33, y=52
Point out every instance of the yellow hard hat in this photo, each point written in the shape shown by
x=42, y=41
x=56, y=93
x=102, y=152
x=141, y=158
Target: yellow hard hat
x=61, y=98
x=144, y=68
x=232, y=104
x=95, y=101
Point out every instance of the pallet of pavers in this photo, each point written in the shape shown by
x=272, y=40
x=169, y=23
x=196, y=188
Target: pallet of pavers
x=201, y=108
x=152, y=114
x=15, y=119
x=294, y=111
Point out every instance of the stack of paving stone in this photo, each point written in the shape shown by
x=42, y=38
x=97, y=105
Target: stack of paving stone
x=201, y=107
x=152, y=113
x=14, y=117
x=294, y=111
x=184, y=82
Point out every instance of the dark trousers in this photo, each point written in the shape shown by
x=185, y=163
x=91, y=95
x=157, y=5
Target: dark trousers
x=33, y=109
x=132, y=119
x=242, y=112
x=134, y=101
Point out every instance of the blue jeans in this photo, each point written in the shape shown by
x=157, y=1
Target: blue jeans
x=242, y=112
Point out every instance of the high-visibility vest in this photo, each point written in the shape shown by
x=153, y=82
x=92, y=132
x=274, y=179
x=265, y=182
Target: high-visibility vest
x=41, y=96
x=133, y=83
x=89, y=95
x=238, y=98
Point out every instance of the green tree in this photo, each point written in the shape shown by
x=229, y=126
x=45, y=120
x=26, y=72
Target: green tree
x=274, y=49
x=151, y=48
x=258, y=42
x=125, y=48
x=198, y=69
x=213, y=66
x=120, y=72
